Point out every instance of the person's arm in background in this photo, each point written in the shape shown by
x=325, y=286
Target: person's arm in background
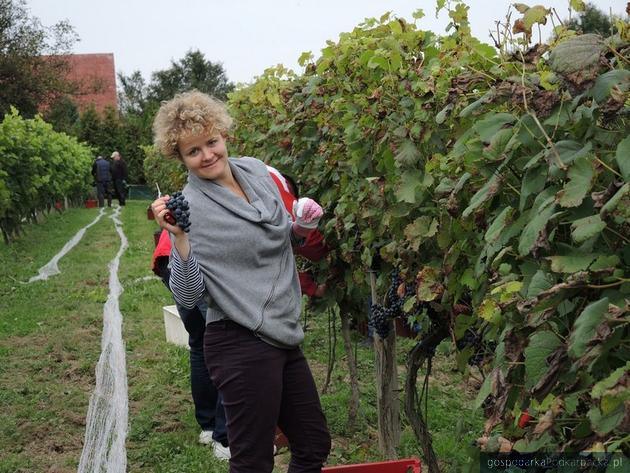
x=186, y=282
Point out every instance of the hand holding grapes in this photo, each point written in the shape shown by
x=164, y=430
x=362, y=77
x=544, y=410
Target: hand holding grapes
x=172, y=213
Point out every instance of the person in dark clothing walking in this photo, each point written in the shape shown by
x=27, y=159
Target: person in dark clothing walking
x=102, y=176
x=119, y=176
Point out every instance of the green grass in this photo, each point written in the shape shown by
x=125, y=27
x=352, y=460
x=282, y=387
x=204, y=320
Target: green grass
x=50, y=343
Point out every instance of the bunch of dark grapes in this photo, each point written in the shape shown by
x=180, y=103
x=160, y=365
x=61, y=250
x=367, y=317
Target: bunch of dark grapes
x=394, y=302
x=481, y=348
x=179, y=211
x=382, y=315
x=380, y=318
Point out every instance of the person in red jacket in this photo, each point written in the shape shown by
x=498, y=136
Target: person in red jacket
x=314, y=248
x=209, y=410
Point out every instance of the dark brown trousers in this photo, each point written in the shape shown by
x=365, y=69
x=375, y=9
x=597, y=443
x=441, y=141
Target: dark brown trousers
x=263, y=386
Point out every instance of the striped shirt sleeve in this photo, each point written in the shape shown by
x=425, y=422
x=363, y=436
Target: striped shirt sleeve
x=186, y=281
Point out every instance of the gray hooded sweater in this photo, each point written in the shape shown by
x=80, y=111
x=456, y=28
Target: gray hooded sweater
x=244, y=252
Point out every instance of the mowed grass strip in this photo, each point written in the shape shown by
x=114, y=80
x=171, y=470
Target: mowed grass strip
x=50, y=335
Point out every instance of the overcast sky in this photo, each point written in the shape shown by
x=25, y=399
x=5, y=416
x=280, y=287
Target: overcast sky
x=246, y=36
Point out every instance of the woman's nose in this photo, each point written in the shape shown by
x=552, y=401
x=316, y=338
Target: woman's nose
x=207, y=152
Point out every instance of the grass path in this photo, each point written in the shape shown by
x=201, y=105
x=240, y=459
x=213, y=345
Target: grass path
x=50, y=334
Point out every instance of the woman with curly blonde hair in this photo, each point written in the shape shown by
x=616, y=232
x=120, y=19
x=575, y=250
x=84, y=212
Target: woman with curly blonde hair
x=238, y=256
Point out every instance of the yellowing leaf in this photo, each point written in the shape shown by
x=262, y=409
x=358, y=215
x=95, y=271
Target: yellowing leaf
x=490, y=311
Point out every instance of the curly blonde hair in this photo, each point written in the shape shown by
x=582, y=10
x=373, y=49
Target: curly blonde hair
x=188, y=114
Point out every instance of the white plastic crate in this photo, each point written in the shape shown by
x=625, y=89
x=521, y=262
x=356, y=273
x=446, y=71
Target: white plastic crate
x=174, y=327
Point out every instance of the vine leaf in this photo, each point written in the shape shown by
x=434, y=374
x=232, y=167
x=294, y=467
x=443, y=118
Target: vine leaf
x=615, y=199
x=421, y=228
x=571, y=263
x=604, y=422
x=488, y=191
x=585, y=325
x=541, y=345
x=623, y=158
x=618, y=79
x=580, y=175
x=541, y=281
x=587, y=227
x=408, y=187
x=488, y=127
x=605, y=261
x=498, y=225
x=408, y=154
x=578, y=53
x=533, y=230
x=429, y=286
x=610, y=382
x=577, y=5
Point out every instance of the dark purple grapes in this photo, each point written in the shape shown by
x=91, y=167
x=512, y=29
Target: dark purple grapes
x=179, y=209
x=482, y=349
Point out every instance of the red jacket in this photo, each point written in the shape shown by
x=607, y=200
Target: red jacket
x=314, y=247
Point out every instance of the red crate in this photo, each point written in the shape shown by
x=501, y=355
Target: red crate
x=91, y=203
x=408, y=465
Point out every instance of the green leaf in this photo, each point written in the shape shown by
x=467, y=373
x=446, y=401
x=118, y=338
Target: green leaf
x=541, y=345
x=428, y=284
x=521, y=7
x=581, y=176
x=378, y=61
x=421, y=228
x=577, y=5
x=570, y=263
x=409, y=184
x=541, y=281
x=305, y=58
x=618, y=79
x=609, y=382
x=603, y=262
x=578, y=53
x=442, y=114
x=533, y=182
x=569, y=151
x=498, y=225
x=488, y=190
x=489, y=126
x=587, y=227
x=484, y=391
x=585, y=327
x=537, y=14
x=490, y=311
x=533, y=229
x=615, y=199
x=623, y=158
x=487, y=98
x=605, y=423
x=408, y=154
x=419, y=13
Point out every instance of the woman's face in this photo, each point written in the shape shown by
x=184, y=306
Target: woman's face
x=205, y=155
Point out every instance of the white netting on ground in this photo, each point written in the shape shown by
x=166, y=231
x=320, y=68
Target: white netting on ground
x=106, y=424
x=51, y=268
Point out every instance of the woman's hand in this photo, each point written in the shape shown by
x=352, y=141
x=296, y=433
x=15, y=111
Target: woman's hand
x=307, y=214
x=158, y=206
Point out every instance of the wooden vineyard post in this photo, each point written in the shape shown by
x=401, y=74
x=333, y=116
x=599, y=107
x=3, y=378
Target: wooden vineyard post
x=387, y=404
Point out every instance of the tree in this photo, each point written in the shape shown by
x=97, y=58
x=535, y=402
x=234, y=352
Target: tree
x=592, y=20
x=132, y=95
x=193, y=71
x=140, y=101
x=32, y=66
x=89, y=127
x=63, y=115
